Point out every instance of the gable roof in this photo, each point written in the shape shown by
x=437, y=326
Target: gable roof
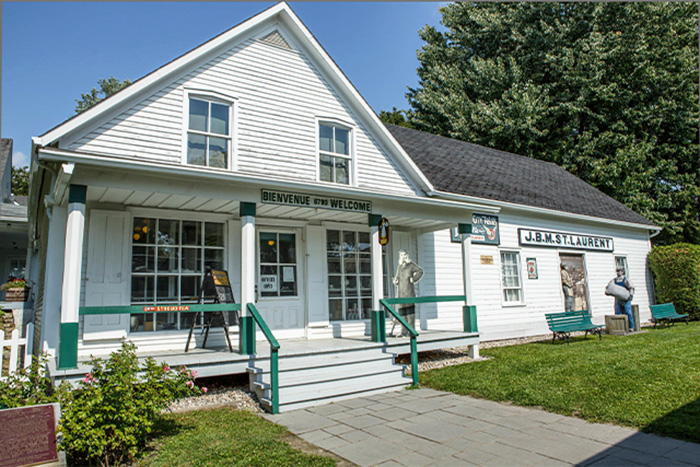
x=281, y=13
x=468, y=169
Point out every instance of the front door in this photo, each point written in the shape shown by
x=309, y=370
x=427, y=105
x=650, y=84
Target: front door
x=280, y=281
x=574, y=265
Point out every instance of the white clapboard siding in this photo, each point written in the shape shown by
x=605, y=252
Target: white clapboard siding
x=279, y=94
x=17, y=347
x=497, y=320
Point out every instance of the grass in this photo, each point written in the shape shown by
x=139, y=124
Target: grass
x=225, y=436
x=649, y=381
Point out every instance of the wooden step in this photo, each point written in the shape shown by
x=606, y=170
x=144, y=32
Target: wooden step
x=325, y=371
x=327, y=358
x=331, y=388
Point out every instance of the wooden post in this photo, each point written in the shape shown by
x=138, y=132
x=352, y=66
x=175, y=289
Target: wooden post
x=247, y=324
x=469, y=311
x=378, y=322
x=72, y=273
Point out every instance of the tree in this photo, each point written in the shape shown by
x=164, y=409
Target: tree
x=395, y=117
x=107, y=87
x=20, y=181
x=606, y=90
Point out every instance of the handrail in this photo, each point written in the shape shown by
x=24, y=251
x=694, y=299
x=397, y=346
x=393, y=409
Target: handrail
x=387, y=302
x=274, y=366
x=263, y=326
x=140, y=309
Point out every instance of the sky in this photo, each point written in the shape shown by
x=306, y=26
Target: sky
x=54, y=51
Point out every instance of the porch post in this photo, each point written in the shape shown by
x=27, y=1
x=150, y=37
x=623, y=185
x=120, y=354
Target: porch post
x=247, y=323
x=469, y=310
x=72, y=272
x=378, y=323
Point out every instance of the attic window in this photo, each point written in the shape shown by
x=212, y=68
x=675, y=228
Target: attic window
x=275, y=38
x=209, y=133
x=334, y=153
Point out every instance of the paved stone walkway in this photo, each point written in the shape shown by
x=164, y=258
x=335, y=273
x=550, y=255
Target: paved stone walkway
x=427, y=427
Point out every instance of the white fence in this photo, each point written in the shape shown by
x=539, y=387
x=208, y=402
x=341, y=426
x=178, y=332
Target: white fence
x=14, y=343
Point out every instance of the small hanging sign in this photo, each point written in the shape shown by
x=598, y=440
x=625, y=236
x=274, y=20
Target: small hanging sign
x=532, y=268
x=383, y=231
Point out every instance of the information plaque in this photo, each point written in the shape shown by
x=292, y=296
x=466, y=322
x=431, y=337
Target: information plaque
x=28, y=435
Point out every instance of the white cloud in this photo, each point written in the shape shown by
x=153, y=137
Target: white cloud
x=20, y=159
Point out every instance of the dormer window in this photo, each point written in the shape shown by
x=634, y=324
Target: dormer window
x=209, y=133
x=334, y=153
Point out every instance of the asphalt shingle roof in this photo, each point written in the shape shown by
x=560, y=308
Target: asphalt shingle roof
x=468, y=169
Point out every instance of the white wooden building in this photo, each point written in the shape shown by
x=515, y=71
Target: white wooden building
x=253, y=153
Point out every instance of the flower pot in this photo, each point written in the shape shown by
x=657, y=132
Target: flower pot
x=17, y=295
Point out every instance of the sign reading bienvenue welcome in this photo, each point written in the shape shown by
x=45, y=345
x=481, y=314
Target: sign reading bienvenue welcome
x=529, y=237
x=313, y=201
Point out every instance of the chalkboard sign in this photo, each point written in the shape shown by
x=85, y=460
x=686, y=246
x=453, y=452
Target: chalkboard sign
x=216, y=288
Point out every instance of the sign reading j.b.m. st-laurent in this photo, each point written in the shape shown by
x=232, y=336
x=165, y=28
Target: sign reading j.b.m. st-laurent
x=531, y=237
x=315, y=201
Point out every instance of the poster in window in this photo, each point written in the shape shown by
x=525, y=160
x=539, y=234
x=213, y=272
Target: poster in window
x=532, y=268
x=268, y=283
x=287, y=273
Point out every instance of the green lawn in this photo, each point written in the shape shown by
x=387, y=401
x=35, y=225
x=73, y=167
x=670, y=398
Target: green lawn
x=650, y=381
x=224, y=436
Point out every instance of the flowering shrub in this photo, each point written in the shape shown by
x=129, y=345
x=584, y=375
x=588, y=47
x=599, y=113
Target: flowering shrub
x=108, y=419
x=14, y=284
x=30, y=386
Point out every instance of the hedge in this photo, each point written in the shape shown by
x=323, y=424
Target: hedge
x=676, y=270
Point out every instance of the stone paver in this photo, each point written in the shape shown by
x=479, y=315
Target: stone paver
x=425, y=427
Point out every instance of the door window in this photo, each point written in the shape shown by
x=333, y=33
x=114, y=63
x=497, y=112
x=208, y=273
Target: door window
x=349, y=275
x=278, y=265
x=574, y=265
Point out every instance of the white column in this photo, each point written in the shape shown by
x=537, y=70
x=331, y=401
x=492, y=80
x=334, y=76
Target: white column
x=53, y=280
x=466, y=268
x=467, y=277
x=377, y=268
x=72, y=262
x=247, y=262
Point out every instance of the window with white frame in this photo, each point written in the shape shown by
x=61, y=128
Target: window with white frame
x=349, y=275
x=334, y=153
x=510, y=277
x=168, y=260
x=208, y=133
x=621, y=262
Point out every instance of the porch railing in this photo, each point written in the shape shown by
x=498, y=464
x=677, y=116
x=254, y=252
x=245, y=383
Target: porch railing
x=274, y=348
x=469, y=321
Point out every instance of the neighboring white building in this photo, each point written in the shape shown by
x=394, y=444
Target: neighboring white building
x=253, y=153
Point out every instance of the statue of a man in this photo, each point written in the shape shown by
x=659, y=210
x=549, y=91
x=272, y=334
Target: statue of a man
x=407, y=275
x=567, y=285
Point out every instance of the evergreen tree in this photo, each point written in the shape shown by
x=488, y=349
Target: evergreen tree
x=609, y=91
x=395, y=117
x=20, y=181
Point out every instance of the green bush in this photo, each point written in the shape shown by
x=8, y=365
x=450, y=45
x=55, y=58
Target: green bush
x=676, y=271
x=108, y=419
x=30, y=386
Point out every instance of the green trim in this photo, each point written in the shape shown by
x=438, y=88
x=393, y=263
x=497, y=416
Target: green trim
x=378, y=326
x=469, y=318
x=138, y=309
x=274, y=381
x=464, y=228
x=246, y=334
x=414, y=361
x=247, y=209
x=385, y=303
x=374, y=220
x=77, y=194
x=435, y=299
x=68, y=346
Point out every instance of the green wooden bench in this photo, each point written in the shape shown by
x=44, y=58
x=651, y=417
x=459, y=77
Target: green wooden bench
x=666, y=312
x=563, y=324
